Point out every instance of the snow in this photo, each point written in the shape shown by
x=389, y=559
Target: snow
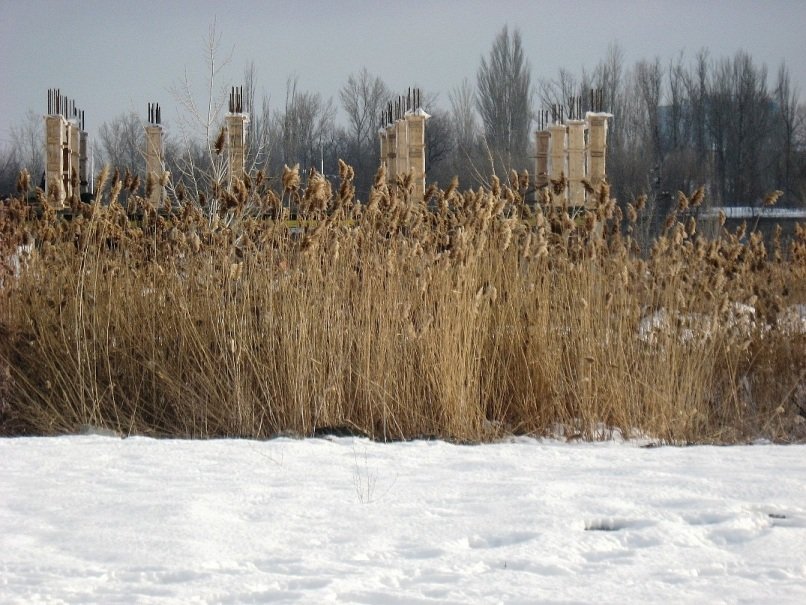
x=420, y=112
x=19, y=259
x=740, y=318
x=94, y=519
x=792, y=320
x=749, y=212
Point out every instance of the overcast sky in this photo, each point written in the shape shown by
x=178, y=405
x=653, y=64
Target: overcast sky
x=113, y=56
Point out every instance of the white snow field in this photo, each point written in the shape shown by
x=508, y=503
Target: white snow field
x=92, y=519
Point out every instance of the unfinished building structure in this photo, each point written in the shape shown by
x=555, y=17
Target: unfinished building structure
x=155, y=166
x=570, y=153
x=154, y=148
x=402, y=140
x=235, y=142
x=236, y=121
x=66, y=144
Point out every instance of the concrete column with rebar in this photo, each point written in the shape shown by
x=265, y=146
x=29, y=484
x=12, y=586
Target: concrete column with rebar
x=384, y=142
x=391, y=153
x=236, y=145
x=154, y=151
x=597, y=147
x=83, y=162
x=57, y=158
x=154, y=167
x=402, y=146
x=75, y=158
x=415, y=129
x=558, y=170
x=576, y=162
x=542, y=138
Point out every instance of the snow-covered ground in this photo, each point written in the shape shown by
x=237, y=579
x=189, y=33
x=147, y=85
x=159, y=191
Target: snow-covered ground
x=94, y=519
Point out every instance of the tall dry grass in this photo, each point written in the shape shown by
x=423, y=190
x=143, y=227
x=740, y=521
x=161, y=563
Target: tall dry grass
x=472, y=317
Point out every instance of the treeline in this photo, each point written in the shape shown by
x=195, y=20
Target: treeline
x=722, y=122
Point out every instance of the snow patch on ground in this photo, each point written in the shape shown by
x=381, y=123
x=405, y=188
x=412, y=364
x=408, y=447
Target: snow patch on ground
x=740, y=320
x=95, y=519
x=16, y=262
x=792, y=320
x=19, y=259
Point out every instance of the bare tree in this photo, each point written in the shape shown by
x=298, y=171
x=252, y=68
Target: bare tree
x=633, y=165
x=738, y=117
x=203, y=123
x=676, y=76
x=258, y=142
x=28, y=145
x=683, y=168
x=558, y=91
x=609, y=76
x=439, y=140
x=696, y=161
x=9, y=170
x=696, y=85
x=363, y=98
x=465, y=162
x=800, y=154
x=718, y=104
x=649, y=81
x=121, y=143
x=750, y=129
x=504, y=100
x=788, y=124
x=463, y=116
x=304, y=127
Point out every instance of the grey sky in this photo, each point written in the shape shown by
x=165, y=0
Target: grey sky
x=113, y=56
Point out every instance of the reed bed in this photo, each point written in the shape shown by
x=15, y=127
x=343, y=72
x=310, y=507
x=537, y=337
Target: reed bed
x=466, y=315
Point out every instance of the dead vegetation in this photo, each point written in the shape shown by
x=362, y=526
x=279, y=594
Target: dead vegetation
x=470, y=317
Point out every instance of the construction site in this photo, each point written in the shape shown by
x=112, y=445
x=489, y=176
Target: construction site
x=570, y=152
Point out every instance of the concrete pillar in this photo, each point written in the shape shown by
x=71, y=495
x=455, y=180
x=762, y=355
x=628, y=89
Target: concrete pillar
x=384, y=141
x=557, y=153
x=542, y=138
x=55, y=145
x=391, y=153
x=75, y=157
x=67, y=158
x=415, y=129
x=402, y=146
x=236, y=144
x=83, y=163
x=154, y=150
x=597, y=147
x=576, y=162
x=154, y=167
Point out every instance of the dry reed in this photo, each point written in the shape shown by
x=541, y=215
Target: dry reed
x=465, y=315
